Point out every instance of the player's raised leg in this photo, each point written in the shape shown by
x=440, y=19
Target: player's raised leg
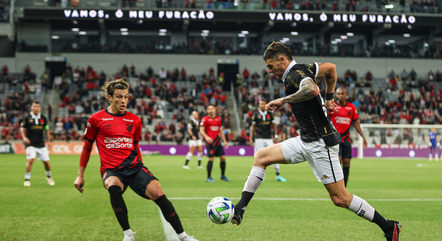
x=262, y=158
x=342, y=198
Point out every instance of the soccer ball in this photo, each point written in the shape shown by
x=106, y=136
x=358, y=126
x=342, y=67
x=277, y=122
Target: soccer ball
x=220, y=210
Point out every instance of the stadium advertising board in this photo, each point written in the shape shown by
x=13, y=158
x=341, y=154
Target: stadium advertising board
x=63, y=148
x=230, y=16
x=6, y=148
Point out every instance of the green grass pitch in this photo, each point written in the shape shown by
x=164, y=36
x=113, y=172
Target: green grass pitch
x=409, y=190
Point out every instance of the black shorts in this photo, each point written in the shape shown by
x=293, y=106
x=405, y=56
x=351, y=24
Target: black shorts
x=215, y=150
x=345, y=150
x=136, y=178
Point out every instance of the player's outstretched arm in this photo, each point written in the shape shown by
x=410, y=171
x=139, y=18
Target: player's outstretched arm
x=84, y=159
x=307, y=91
x=328, y=70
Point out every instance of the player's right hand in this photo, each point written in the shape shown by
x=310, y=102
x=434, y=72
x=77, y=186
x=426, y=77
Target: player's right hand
x=79, y=183
x=275, y=104
x=209, y=140
x=26, y=140
x=251, y=143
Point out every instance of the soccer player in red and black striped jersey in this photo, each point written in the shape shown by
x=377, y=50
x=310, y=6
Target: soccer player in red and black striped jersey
x=211, y=129
x=117, y=133
x=343, y=117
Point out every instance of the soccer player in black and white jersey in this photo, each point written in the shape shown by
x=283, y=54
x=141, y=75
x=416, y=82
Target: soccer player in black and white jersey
x=261, y=130
x=193, y=129
x=318, y=142
x=33, y=128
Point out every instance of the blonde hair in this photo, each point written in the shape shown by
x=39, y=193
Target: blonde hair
x=112, y=85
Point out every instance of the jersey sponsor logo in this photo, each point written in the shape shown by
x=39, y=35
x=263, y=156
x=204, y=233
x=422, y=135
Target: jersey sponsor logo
x=342, y=120
x=214, y=128
x=128, y=120
x=119, y=142
x=107, y=119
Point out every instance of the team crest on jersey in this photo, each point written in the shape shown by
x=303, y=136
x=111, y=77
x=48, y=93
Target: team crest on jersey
x=129, y=127
x=42, y=121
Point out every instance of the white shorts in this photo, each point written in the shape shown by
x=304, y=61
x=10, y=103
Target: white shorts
x=195, y=143
x=323, y=160
x=262, y=143
x=41, y=152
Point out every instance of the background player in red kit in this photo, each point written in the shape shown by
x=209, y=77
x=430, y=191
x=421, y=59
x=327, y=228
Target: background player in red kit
x=344, y=116
x=117, y=133
x=211, y=129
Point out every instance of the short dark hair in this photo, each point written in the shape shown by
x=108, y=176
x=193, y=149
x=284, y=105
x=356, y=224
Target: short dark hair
x=276, y=48
x=110, y=86
x=36, y=102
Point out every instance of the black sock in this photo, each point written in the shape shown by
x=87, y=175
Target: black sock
x=277, y=173
x=169, y=213
x=222, y=165
x=245, y=199
x=199, y=162
x=346, y=171
x=209, y=168
x=187, y=162
x=382, y=222
x=117, y=202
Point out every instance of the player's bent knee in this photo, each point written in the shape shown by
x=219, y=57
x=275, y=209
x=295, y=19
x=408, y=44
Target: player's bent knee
x=342, y=202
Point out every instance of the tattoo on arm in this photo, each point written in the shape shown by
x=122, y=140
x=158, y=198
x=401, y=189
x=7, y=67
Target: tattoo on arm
x=307, y=91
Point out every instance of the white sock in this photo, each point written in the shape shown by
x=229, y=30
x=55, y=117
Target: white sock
x=200, y=156
x=188, y=156
x=27, y=176
x=254, y=179
x=182, y=235
x=276, y=166
x=436, y=157
x=361, y=208
x=128, y=232
x=48, y=173
x=431, y=156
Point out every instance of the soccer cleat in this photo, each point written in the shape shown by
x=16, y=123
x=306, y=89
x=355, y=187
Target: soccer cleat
x=186, y=167
x=237, y=217
x=210, y=179
x=200, y=167
x=50, y=181
x=393, y=233
x=280, y=179
x=223, y=177
x=188, y=238
x=27, y=183
x=129, y=235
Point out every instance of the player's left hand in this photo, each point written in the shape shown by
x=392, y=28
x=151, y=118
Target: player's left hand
x=275, y=104
x=226, y=145
x=364, y=142
x=330, y=106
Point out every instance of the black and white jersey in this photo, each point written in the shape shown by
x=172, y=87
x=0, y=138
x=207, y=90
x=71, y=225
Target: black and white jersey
x=263, y=124
x=194, y=126
x=35, y=127
x=311, y=115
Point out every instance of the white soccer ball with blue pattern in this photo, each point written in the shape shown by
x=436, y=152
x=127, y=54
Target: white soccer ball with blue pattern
x=220, y=210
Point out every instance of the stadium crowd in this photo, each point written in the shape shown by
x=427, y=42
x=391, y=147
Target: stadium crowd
x=164, y=99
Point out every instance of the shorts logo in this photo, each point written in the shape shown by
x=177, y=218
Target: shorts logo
x=211, y=151
x=324, y=176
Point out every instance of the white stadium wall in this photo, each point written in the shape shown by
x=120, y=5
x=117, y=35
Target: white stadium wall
x=198, y=64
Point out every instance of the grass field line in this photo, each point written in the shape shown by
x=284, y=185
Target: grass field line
x=169, y=232
x=320, y=199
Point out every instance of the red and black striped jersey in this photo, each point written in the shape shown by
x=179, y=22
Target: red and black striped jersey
x=342, y=119
x=117, y=139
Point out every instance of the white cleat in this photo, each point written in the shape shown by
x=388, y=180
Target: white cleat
x=188, y=238
x=186, y=167
x=27, y=183
x=129, y=236
x=200, y=167
x=50, y=181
